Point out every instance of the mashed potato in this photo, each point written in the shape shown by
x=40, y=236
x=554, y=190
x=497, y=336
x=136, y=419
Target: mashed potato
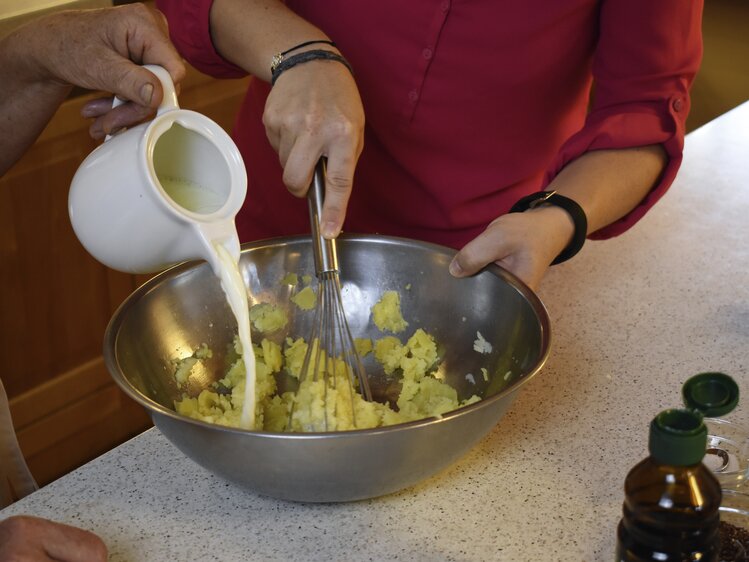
x=363, y=346
x=290, y=279
x=184, y=366
x=267, y=317
x=387, y=313
x=306, y=299
x=324, y=401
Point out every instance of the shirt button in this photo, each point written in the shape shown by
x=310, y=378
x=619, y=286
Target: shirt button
x=677, y=104
x=427, y=53
x=445, y=6
x=413, y=95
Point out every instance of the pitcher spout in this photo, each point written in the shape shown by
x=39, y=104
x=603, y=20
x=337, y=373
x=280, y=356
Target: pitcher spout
x=220, y=233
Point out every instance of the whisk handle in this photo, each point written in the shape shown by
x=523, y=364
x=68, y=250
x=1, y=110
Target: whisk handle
x=326, y=256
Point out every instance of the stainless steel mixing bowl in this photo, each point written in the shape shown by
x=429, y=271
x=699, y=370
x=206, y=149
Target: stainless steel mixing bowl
x=166, y=319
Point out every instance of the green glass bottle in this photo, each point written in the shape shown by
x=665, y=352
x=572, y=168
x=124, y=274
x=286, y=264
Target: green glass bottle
x=671, y=499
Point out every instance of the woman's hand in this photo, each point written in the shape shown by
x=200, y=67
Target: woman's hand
x=314, y=110
x=523, y=243
x=607, y=184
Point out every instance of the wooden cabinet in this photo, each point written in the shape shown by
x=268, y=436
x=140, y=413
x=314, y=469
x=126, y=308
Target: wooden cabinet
x=56, y=300
x=722, y=82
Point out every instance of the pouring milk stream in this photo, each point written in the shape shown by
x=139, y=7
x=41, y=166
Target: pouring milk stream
x=163, y=192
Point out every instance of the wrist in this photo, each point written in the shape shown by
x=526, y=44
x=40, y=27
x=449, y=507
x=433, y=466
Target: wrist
x=288, y=62
x=566, y=219
x=309, y=45
x=25, y=56
x=558, y=226
x=18, y=56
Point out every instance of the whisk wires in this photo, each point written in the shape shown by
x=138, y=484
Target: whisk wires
x=332, y=368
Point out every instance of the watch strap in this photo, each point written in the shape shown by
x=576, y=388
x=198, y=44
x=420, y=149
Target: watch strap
x=570, y=205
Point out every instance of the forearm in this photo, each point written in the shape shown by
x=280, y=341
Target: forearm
x=28, y=97
x=608, y=184
x=249, y=32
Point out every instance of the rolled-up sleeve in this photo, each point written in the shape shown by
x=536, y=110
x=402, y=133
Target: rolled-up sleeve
x=647, y=56
x=190, y=31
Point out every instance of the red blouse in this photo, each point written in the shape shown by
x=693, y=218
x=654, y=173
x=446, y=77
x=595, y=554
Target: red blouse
x=471, y=105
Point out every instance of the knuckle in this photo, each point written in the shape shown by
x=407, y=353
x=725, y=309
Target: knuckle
x=96, y=131
x=163, y=22
x=270, y=118
x=179, y=72
x=338, y=182
x=140, y=11
x=19, y=525
x=289, y=121
x=294, y=183
x=342, y=129
x=279, y=120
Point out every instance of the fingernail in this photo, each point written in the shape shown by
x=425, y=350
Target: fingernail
x=146, y=93
x=330, y=230
x=455, y=269
x=87, y=111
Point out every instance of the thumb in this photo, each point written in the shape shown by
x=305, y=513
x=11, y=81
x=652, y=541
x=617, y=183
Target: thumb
x=487, y=247
x=132, y=82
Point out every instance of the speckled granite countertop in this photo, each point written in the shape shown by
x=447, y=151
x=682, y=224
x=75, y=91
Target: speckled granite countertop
x=632, y=318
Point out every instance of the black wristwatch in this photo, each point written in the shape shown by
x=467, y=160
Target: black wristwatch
x=576, y=212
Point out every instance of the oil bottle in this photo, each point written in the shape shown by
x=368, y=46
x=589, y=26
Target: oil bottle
x=671, y=500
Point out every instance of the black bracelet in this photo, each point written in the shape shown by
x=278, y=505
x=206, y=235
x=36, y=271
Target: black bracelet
x=307, y=56
x=278, y=58
x=576, y=212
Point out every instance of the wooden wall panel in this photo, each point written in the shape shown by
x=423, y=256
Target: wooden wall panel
x=54, y=319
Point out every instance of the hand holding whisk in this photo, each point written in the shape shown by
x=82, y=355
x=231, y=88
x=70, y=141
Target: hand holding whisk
x=332, y=368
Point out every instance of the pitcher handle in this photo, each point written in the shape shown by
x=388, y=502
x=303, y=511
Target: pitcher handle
x=168, y=101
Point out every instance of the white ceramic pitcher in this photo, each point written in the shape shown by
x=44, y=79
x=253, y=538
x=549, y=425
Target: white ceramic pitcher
x=160, y=193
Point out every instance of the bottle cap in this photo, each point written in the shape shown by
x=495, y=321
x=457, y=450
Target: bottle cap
x=677, y=437
x=712, y=394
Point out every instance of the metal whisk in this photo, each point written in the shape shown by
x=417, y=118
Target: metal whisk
x=331, y=361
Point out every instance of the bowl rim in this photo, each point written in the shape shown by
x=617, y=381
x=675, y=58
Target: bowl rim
x=112, y=331
x=736, y=495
